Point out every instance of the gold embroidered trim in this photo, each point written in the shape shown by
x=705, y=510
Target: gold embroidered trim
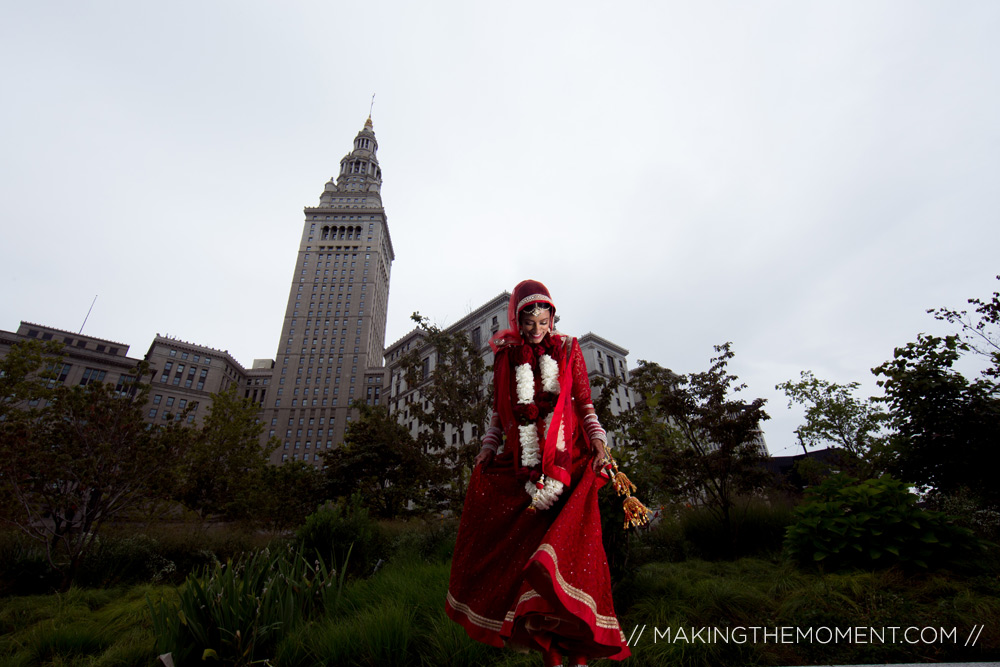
x=602, y=621
x=607, y=622
x=529, y=595
x=474, y=618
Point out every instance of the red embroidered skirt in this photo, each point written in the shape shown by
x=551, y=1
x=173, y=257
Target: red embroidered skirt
x=531, y=580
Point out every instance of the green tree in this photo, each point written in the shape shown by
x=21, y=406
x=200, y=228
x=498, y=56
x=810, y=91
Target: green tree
x=291, y=492
x=702, y=444
x=87, y=457
x=835, y=416
x=945, y=425
x=23, y=392
x=381, y=461
x=224, y=468
x=980, y=330
x=456, y=395
x=23, y=382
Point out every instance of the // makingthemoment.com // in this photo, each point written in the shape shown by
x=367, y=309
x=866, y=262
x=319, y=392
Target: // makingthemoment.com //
x=795, y=635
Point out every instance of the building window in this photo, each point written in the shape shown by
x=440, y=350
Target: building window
x=92, y=375
x=59, y=373
x=123, y=382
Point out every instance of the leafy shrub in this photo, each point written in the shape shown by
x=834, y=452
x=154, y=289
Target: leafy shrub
x=757, y=528
x=336, y=528
x=24, y=569
x=432, y=542
x=123, y=561
x=663, y=541
x=123, y=556
x=238, y=611
x=968, y=511
x=844, y=523
x=191, y=550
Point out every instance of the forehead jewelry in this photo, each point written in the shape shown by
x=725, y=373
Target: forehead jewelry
x=536, y=309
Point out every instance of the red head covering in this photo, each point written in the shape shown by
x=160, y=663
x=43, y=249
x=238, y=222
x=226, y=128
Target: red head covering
x=556, y=457
x=525, y=293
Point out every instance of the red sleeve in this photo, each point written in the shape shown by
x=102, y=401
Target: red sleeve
x=581, y=383
x=502, y=404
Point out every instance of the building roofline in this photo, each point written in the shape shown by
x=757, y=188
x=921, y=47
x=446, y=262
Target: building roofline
x=195, y=347
x=590, y=335
x=399, y=341
x=503, y=297
x=73, y=333
x=122, y=361
x=457, y=326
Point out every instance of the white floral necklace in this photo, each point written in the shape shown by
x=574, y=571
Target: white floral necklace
x=545, y=491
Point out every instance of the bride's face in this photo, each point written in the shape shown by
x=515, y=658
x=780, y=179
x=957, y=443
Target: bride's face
x=534, y=327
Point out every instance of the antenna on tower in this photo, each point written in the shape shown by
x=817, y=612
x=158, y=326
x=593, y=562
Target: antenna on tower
x=372, y=106
x=88, y=315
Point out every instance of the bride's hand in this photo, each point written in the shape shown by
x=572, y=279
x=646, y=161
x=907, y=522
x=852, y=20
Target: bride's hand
x=600, y=454
x=485, y=456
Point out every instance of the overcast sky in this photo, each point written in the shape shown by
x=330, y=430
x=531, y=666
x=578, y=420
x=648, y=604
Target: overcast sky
x=804, y=179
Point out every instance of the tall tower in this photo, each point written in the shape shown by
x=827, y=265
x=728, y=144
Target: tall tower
x=332, y=340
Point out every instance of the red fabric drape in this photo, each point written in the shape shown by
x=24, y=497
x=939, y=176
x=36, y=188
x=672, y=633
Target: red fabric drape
x=531, y=579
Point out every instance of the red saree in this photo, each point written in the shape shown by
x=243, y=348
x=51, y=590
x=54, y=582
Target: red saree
x=534, y=580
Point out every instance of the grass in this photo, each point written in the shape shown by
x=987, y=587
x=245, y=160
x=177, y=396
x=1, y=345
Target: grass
x=754, y=592
x=397, y=617
x=82, y=627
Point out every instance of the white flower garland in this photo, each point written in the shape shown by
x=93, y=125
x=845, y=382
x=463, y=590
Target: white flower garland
x=530, y=456
x=543, y=498
x=546, y=491
x=550, y=374
x=525, y=384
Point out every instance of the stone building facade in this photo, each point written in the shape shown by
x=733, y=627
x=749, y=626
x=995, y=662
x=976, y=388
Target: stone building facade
x=184, y=377
x=85, y=359
x=604, y=360
x=331, y=348
x=331, y=351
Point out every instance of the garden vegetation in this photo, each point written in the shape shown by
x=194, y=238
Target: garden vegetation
x=127, y=542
